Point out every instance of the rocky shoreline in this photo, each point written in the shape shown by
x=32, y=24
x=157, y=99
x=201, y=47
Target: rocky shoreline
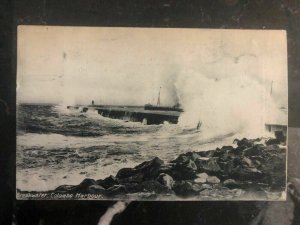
x=254, y=169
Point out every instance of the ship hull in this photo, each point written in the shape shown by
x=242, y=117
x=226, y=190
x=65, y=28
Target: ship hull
x=162, y=108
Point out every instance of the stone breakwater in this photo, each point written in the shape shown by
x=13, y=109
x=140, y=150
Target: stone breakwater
x=252, y=170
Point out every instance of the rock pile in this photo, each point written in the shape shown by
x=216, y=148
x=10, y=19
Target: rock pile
x=224, y=171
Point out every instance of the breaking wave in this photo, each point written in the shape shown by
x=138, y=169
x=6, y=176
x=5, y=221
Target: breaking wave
x=57, y=146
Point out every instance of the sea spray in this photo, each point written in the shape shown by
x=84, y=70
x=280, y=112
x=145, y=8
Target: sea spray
x=231, y=104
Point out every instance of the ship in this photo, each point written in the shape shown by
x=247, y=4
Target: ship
x=147, y=114
x=176, y=107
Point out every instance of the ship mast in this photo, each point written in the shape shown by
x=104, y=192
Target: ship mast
x=158, y=99
x=271, y=88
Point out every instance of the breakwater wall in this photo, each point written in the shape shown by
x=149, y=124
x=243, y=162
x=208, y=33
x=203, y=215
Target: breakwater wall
x=134, y=114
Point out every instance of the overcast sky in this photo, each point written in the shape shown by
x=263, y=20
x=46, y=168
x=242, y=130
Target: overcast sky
x=128, y=65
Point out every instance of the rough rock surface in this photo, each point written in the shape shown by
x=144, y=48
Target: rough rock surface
x=227, y=172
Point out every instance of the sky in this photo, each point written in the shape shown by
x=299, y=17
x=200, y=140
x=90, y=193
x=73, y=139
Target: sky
x=207, y=68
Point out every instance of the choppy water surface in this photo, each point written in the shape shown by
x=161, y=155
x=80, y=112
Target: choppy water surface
x=58, y=146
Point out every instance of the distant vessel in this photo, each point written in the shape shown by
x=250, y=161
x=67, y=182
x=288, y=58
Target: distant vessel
x=147, y=115
x=176, y=107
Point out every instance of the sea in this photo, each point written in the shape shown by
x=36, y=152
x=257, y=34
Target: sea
x=60, y=146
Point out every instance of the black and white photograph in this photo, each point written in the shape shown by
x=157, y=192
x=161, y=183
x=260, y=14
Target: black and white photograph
x=111, y=113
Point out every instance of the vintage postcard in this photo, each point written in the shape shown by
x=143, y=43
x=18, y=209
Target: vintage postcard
x=151, y=113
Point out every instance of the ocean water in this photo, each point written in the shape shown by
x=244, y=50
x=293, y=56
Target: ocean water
x=57, y=146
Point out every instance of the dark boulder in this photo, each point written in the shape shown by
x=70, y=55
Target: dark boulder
x=108, y=182
x=181, y=158
x=96, y=189
x=272, y=141
x=229, y=166
x=192, y=155
x=254, y=150
x=133, y=187
x=148, y=170
x=227, y=148
x=228, y=154
x=198, y=187
x=238, y=150
x=137, y=178
x=190, y=165
x=249, y=165
x=273, y=168
x=65, y=188
x=154, y=163
x=83, y=186
x=246, y=143
x=155, y=187
x=184, y=168
x=208, y=165
x=186, y=189
x=87, y=182
x=125, y=173
x=186, y=156
x=209, y=153
x=218, y=152
x=247, y=173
